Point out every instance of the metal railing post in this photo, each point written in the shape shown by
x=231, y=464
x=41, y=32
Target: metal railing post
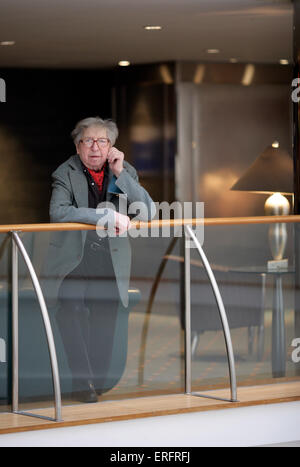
x=15, y=329
x=230, y=355
x=188, y=334
x=18, y=245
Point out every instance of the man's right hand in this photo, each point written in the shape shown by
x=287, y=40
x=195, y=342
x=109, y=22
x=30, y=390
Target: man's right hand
x=122, y=223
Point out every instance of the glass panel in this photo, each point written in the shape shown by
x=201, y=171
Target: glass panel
x=5, y=320
x=137, y=348
x=124, y=351
x=35, y=377
x=260, y=305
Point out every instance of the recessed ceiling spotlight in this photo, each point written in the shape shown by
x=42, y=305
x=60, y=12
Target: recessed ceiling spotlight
x=7, y=43
x=248, y=75
x=212, y=51
x=283, y=61
x=153, y=28
x=124, y=63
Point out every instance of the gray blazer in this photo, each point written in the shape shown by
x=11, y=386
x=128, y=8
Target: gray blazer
x=69, y=203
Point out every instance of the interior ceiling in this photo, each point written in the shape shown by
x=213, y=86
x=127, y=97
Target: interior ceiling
x=99, y=33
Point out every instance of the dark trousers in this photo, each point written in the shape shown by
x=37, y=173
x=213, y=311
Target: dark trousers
x=87, y=315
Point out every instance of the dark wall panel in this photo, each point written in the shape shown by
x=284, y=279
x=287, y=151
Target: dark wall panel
x=41, y=109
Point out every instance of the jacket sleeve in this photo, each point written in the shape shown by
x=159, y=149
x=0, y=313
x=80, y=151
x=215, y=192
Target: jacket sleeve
x=138, y=199
x=62, y=208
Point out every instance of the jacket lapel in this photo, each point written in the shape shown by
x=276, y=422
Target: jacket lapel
x=79, y=183
x=112, y=188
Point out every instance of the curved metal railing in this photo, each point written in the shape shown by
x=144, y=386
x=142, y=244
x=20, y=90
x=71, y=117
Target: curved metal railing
x=230, y=355
x=18, y=246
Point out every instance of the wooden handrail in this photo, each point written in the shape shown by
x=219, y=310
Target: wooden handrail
x=154, y=224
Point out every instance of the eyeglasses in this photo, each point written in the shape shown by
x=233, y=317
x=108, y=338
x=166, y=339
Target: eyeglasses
x=101, y=142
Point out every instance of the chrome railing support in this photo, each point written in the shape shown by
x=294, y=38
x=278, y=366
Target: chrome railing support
x=229, y=348
x=18, y=245
x=15, y=329
x=187, y=319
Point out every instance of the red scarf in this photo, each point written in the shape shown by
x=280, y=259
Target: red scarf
x=98, y=177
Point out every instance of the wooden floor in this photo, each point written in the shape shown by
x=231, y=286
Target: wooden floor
x=150, y=407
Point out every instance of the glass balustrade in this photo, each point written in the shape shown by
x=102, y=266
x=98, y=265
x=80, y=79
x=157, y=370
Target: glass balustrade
x=117, y=313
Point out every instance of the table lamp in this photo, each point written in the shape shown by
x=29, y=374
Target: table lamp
x=272, y=173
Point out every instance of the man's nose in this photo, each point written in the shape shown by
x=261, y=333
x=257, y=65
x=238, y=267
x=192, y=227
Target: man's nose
x=95, y=144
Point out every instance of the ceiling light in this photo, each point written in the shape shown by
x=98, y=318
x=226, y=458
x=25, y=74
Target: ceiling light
x=212, y=51
x=248, y=75
x=166, y=74
x=6, y=43
x=283, y=61
x=233, y=60
x=153, y=28
x=199, y=74
x=124, y=63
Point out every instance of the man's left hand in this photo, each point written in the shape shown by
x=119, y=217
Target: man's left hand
x=115, y=160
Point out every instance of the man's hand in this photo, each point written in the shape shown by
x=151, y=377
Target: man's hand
x=115, y=160
x=122, y=223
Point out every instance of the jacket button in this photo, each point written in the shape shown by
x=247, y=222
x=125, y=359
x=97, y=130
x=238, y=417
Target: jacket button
x=95, y=246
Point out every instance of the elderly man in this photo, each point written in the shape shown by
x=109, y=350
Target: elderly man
x=95, y=270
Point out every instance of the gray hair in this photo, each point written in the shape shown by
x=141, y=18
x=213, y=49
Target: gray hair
x=109, y=125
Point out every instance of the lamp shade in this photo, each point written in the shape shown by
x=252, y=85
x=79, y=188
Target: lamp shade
x=271, y=172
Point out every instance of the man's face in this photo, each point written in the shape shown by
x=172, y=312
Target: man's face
x=93, y=157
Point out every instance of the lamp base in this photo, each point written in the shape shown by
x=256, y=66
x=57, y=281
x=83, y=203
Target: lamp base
x=277, y=205
x=278, y=265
